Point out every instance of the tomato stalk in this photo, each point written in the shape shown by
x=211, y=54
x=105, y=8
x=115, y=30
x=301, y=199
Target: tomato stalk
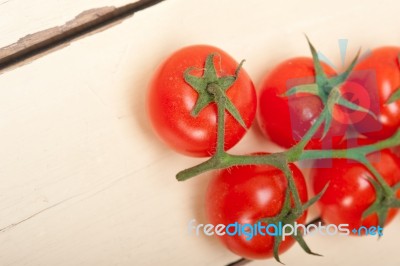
x=296, y=151
x=282, y=158
x=219, y=97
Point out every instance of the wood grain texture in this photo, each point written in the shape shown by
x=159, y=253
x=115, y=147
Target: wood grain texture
x=86, y=22
x=19, y=18
x=83, y=179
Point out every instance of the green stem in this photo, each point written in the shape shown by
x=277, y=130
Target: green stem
x=292, y=187
x=280, y=159
x=220, y=101
x=295, y=152
x=228, y=160
x=353, y=153
x=386, y=188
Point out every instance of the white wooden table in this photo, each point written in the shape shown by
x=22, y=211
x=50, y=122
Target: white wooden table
x=84, y=181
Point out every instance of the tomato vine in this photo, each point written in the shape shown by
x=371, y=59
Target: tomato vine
x=214, y=91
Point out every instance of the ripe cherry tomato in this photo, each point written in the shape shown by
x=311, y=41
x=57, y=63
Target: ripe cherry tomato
x=285, y=120
x=246, y=194
x=379, y=74
x=349, y=192
x=171, y=100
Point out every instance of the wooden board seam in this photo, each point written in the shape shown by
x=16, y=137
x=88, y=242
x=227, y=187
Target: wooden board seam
x=32, y=45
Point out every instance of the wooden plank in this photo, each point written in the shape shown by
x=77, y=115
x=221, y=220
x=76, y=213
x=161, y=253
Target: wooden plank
x=86, y=22
x=19, y=18
x=84, y=181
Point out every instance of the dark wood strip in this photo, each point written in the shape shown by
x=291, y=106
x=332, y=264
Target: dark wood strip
x=88, y=21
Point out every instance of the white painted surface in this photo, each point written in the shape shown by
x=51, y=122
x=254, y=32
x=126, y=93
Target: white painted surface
x=77, y=150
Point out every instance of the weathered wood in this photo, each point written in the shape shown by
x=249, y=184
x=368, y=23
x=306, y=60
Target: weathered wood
x=89, y=20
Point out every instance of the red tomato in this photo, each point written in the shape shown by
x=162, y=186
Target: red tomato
x=171, y=100
x=285, y=120
x=349, y=192
x=246, y=194
x=379, y=74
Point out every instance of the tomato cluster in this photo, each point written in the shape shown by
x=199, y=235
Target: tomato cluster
x=363, y=103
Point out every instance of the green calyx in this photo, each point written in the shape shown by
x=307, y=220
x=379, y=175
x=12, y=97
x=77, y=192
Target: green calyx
x=210, y=85
x=328, y=89
x=289, y=215
x=385, y=200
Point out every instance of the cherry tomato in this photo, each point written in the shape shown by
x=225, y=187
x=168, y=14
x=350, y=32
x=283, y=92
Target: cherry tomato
x=350, y=192
x=379, y=74
x=246, y=194
x=285, y=120
x=171, y=100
